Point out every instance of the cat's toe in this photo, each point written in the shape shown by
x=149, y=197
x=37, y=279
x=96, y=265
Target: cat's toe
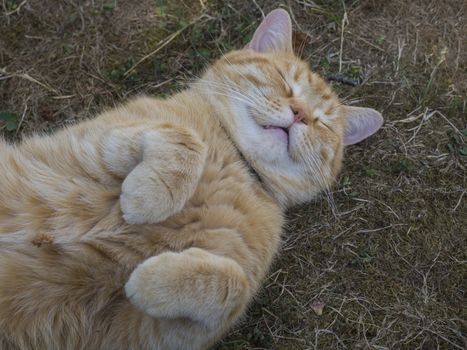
x=142, y=201
x=132, y=212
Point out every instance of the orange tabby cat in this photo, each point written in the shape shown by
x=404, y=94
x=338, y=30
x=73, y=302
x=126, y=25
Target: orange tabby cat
x=145, y=227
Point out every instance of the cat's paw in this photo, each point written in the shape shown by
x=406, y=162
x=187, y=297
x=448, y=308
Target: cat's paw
x=143, y=200
x=165, y=180
x=204, y=287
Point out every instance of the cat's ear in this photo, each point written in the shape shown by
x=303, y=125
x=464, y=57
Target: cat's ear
x=273, y=34
x=360, y=123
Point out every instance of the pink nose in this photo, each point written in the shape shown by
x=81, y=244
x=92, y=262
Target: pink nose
x=299, y=113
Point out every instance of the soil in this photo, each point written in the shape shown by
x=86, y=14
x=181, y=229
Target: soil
x=386, y=270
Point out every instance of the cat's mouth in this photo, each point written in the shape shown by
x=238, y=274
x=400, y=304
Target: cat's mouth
x=281, y=133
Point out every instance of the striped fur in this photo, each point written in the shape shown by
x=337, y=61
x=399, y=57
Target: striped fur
x=144, y=228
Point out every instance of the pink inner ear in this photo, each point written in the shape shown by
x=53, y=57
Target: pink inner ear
x=361, y=123
x=274, y=33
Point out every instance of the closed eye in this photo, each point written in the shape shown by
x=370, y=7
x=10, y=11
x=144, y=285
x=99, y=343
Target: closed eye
x=325, y=125
x=288, y=87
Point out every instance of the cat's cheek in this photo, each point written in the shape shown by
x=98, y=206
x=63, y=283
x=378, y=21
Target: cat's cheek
x=297, y=144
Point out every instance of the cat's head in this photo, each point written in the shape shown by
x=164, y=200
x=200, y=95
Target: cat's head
x=285, y=119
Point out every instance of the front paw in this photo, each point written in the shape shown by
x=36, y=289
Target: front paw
x=166, y=178
x=145, y=199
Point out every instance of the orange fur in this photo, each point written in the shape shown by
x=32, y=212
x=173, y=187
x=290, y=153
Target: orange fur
x=144, y=227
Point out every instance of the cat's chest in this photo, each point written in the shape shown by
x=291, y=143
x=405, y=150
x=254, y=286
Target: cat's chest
x=228, y=196
x=224, y=179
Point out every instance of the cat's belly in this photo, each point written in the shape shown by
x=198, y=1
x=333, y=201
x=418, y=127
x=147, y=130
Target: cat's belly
x=229, y=213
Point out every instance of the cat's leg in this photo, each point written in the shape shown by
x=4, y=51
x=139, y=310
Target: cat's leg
x=208, y=289
x=160, y=165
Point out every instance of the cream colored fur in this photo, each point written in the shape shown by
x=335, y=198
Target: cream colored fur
x=145, y=227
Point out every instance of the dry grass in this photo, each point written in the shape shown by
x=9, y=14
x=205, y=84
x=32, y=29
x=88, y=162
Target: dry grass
x=389, y=268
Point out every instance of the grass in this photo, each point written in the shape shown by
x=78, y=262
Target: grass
x=390, y=267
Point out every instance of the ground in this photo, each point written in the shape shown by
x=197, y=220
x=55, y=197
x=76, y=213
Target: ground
x=387, y=269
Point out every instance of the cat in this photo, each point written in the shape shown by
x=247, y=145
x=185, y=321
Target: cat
x=153, y=225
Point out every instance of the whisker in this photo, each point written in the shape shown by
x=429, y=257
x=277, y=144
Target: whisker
x=310, y=160
x=225, y=89
x=258, y=102
x=231, y=96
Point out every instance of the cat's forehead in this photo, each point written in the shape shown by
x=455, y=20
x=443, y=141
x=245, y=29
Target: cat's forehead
x=285, y=71
x=263, y=61
x=274, y=66
x=267, y=68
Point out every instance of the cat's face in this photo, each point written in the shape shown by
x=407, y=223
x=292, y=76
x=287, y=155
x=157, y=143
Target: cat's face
x=285, y=120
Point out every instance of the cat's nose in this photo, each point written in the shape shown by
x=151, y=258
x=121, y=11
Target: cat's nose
x=299, y=113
